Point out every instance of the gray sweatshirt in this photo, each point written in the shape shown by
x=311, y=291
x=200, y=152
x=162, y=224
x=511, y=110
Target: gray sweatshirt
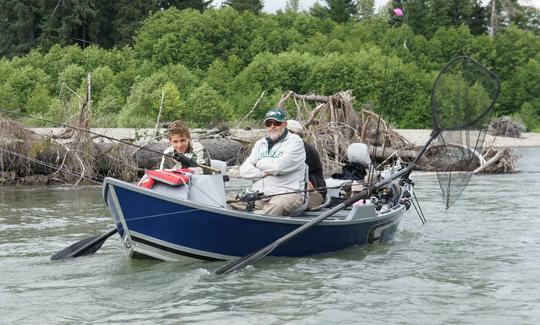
x=285, y=163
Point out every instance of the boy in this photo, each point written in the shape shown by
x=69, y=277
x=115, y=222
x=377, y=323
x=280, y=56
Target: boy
x=181, y=145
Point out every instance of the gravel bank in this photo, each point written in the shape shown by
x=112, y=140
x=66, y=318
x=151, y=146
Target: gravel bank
x=528, y=139
x=416, y=136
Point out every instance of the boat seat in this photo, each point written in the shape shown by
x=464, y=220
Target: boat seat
x=219, y=164
x=326, y=203
x=303, y=207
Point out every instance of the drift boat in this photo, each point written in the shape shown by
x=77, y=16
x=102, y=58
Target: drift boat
x=170, y=222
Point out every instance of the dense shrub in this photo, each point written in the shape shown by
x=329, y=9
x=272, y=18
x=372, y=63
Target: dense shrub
x=213, y=65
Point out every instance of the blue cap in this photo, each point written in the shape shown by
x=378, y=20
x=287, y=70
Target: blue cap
x=276, y=114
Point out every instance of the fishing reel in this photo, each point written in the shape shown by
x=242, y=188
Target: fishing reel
x=406, y=199
x=383, y=199
x=249, y=197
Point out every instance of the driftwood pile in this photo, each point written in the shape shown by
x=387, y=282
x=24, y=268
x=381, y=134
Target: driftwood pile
x=331, y=124
x=506, y=127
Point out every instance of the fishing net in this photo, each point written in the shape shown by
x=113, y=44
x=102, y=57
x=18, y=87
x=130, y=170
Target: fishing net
x=462, y=100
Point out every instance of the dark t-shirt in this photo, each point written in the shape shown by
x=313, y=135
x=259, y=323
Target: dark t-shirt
x=352, y=171
x=316, y=175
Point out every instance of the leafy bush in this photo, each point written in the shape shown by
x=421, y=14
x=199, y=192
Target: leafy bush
x=215, y=64
x=529, y=114
x=205, y=107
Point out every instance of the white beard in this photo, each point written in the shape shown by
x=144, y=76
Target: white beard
x=273, y=134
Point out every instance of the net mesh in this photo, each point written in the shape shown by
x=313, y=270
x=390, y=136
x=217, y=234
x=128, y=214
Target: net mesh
x=462, y=100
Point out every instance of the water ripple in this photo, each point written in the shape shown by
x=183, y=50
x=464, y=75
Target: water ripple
x=477, y=263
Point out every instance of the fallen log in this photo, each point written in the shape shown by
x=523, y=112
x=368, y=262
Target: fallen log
x=24, y=153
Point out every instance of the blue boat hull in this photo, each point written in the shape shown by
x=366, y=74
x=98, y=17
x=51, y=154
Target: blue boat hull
x=168, y=228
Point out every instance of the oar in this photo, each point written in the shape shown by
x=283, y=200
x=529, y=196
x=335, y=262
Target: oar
x=471, y=117
x=255, y=256
x=88, y=245
x=84, y=247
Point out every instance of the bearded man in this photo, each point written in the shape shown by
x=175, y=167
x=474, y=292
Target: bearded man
x=276, y=165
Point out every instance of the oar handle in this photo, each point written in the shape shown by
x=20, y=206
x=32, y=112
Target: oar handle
x=211, y=169
x=191, y=162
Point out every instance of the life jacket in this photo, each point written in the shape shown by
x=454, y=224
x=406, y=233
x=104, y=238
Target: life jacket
x=172, y=177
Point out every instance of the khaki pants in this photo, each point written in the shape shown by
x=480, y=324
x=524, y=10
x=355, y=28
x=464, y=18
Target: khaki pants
x=315, y=199
x=279, y=205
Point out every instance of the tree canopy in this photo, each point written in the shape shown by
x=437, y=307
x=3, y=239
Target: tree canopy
x=211, y=65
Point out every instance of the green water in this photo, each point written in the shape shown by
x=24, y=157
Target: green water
x=477, y=263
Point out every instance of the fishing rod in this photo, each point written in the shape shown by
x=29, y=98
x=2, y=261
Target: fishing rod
x=182, y=158
x=456, y=118
x=399, y=17
x=253, y=196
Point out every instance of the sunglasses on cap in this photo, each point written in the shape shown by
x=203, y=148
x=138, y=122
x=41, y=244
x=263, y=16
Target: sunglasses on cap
x=269, y=123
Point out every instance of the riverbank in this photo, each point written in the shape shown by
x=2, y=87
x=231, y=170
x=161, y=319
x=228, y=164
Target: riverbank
x=416, y=136
x=528, y=139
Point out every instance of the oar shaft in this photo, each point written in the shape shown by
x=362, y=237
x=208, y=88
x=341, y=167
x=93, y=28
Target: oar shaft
x=257, y=255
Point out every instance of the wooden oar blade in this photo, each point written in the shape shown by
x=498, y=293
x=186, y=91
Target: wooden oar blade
x=83, y=247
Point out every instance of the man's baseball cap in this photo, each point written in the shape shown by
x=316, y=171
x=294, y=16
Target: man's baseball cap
x=275, y=114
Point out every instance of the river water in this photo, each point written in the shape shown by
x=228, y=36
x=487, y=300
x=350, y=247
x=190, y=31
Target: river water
x=477, y=263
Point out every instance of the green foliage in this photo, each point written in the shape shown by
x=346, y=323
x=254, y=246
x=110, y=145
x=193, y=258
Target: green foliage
x=529, y=19
x=530, y=115
x=254, y=6
x=8, y=99
x=212, y=65
x=27, y=24
x=18, y=26
x=197, y=39
x=71, y=79
x=514, y=48
x=39, y=100
x=340, y=11
x=428, y=16
x=221, y=73
x=292, y=5
x=22, y=82
x=363, y=72
x=521, y=94
x=448, y=43
x=172, y=104
x=365, y=9
x=206, y=107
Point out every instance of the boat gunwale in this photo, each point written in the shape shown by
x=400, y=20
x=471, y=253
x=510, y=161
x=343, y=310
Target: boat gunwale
x=250, y=216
